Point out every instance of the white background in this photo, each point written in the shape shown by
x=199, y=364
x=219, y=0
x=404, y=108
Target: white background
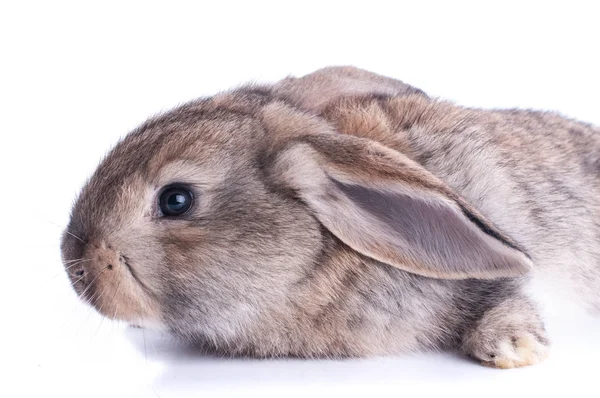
x=75, y=77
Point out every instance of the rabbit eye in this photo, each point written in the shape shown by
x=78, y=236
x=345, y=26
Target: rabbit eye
x=175, y=201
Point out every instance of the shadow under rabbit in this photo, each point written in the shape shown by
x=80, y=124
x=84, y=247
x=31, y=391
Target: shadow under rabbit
x=186, y=365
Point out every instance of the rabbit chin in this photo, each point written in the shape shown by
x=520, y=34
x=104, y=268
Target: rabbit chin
x=132, y=315
x=120, y=297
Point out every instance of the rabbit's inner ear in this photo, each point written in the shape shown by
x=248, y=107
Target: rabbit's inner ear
x=421, y=234
x=387, y=207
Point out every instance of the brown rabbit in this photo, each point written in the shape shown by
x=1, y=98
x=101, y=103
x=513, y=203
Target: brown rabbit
x=341, y=214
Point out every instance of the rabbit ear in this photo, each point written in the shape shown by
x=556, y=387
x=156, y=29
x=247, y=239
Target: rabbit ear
x=318, y=89
x=386, y=206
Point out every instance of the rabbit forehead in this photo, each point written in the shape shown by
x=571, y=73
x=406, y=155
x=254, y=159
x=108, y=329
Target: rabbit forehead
x=189, y=170
x=198, y=138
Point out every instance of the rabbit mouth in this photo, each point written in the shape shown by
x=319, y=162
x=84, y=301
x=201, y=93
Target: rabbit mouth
x=127, y=262
x=108, y=281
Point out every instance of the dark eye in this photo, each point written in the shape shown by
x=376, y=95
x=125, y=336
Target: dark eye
x=175, y=200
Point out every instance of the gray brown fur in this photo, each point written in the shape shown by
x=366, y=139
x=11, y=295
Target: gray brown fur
x=257, y=268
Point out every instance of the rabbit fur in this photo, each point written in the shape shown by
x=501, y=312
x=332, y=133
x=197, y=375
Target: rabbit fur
x=343, y=214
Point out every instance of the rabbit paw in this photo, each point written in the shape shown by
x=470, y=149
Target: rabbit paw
x=508, y=340
x=520, y=350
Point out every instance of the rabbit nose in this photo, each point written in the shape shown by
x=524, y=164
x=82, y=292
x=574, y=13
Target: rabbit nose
x=79, y=275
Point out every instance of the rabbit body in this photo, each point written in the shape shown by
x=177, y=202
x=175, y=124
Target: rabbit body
x=536, y=175
x=371, y=221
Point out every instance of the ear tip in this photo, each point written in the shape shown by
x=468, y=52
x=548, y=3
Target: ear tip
x=526, y=264
x=521, y=267
x=518, y=267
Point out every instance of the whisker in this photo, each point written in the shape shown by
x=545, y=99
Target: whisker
x=92, y=281
x=111, y=301
x=66, y=230
x=155, y=392
x=153, y=347
x=100, y=312
x=58, y=225
x=77, y=263
x=91, y=308
x=62, y=272
x=71, y=312
x=52, y=278
x=72, y=261
x=144, y=338
x=75, y=236
x=101, y=320
x=116, y=291
x=80, y=278
x=116, y=310
x=90, y=299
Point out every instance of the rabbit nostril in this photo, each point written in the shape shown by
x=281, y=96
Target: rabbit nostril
x=79, y=273
x=109, y=266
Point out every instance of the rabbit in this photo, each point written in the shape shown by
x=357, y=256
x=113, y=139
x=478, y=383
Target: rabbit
x=342, y=214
